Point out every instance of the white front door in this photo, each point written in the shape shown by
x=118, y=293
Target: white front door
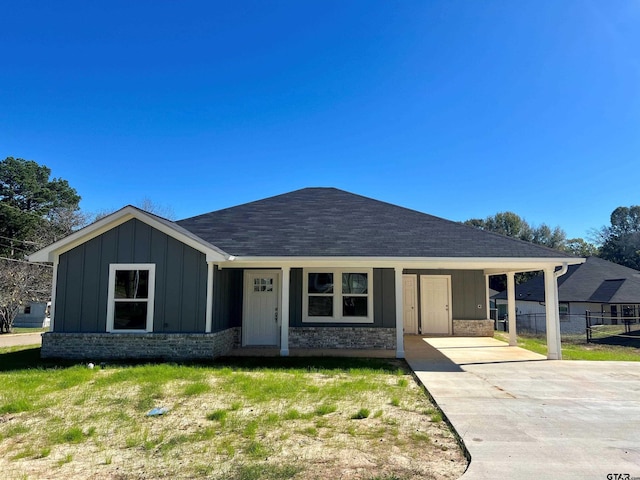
x=435, y=300
x=409, y=289
x=261, y=308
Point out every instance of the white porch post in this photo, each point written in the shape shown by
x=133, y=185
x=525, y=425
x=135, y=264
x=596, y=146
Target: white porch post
x=54, y=288
x=284, y=323
x=554, y=349
x=399, y=313
x=487, y=297
x=209, y=314
x=511, y=308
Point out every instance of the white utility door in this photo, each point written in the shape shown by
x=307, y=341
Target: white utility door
x=261, y=312
x=410, y=296
x=435, y=300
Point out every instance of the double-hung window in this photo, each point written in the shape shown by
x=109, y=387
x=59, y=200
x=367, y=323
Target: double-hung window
x=338, y=295
x=131, y=294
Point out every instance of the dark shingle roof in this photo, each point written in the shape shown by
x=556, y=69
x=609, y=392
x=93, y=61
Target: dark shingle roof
x=596, y=280
x=319, y=222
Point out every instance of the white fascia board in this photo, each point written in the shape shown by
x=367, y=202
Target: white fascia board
x=47, y=254
x=488, y=264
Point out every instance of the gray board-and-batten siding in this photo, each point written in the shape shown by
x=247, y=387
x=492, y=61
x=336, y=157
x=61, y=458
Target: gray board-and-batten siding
x=181, y=276
x=468, y=290
x=83, y=277
x=228, y=300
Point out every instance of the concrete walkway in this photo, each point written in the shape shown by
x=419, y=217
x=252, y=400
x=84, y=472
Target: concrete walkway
x=15, y=339
x=523, y=417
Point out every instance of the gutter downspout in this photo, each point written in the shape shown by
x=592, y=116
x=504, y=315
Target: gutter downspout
x=562, y=271
x=557, y=275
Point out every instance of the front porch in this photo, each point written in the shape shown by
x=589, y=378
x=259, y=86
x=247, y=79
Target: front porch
x=416, y=298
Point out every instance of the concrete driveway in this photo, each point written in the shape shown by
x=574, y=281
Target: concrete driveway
x=524, y=417
x=15, y=339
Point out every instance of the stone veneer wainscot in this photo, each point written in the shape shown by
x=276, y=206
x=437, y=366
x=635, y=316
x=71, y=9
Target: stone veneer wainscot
x=166, y=346
x=473, y=328
x=343, y=337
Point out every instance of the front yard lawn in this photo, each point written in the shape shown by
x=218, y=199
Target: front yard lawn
x=241, y=418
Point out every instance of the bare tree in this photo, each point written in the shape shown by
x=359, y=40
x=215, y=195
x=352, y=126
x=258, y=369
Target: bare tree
x=146, y=204
x=21, y=282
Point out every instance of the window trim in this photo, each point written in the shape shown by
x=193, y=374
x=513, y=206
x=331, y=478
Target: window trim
x=111, y=302
x=337, y=295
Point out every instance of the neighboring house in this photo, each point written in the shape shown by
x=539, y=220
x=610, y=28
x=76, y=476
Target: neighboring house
x=610, y=292
x=33, y=315
x=317, y=268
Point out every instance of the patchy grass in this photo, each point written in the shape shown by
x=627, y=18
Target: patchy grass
x=361, y=414
x=27, y=330
x=270, y=418
x=575, y=347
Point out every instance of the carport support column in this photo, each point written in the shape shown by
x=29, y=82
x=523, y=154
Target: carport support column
x=399, y=313
x=284, y=322
x=487, y=297
x=554, y=349
x=511, y=308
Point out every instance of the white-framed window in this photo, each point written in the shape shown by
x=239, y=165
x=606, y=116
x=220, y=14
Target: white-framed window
x=131, y=294
x=337, y=295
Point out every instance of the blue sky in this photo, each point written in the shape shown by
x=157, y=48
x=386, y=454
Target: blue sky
x=461, y=109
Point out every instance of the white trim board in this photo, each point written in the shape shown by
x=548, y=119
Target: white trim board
x=113, y=268
x=337, y=295
x=489, y=265
x=116, y=219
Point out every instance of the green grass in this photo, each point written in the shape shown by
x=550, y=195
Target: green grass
x=217, y=415
x=577, y=348
x=71, y=435
x=265, y=472
x=325, y=409
x=68, y=458
x=16, y=406
x=361, y=414
x=197, y=388
x=29, y=330
x=248, y=415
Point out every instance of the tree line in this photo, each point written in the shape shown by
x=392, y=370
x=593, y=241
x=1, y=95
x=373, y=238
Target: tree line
x=618, y=242
x=37, y=210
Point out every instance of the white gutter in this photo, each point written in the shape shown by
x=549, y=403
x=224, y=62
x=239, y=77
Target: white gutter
x=490, y=265
x=562, y=271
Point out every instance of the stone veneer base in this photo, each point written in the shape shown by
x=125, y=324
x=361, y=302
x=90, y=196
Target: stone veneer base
x=473, y=328
x=121, y=346
x=342, y=337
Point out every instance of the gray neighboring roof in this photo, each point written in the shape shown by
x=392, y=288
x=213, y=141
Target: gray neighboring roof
x=596, y=280
x=321, y=222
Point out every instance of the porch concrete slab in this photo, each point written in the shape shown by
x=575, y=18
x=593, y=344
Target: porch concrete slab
x=310, y=352
x=524, y=417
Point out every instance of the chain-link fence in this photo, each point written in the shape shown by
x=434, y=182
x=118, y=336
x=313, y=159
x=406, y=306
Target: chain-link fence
x=597, y=327
x=536, y=324
x=602, y=328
